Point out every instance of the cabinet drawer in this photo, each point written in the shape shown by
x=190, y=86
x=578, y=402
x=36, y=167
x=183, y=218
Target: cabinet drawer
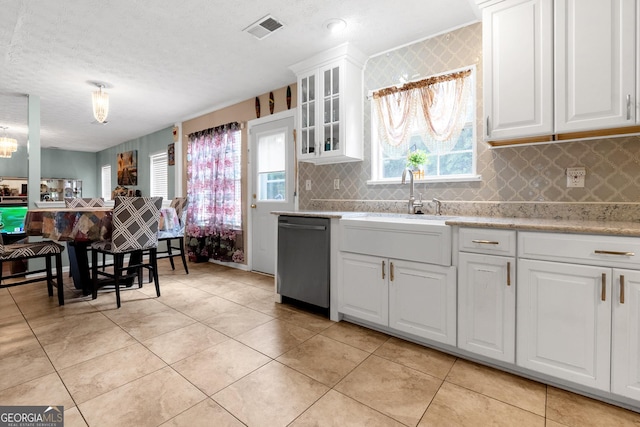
x=606, y=251
x=487, y=241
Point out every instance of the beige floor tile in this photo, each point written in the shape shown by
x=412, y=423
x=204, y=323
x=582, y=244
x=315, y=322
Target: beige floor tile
x=337, y=410
x=205, y=414
x=73, y=418
x=237, y=321
x=51, y=316
x=156, y=324
x=181, y=297
x=47, y=390
x=16, y=336
x=208, y=307
x=216, y=285
x=574, y=410
x=245, y=294
x=274, y=395
x=323, y=359
x=550, y=423
x=147, y=401
x=269, y=306
x=357, y=336
x=184, y=342
x=275, y=337
x=71, y=327
x=393, y=389
x=133, y=310
x=22, y=367
x=458, y=407
x=517, y=391
x=313, y=322
x=8, y=307
x=218, y=366
x=104, y=373
x=76, y=349
x=423, y=359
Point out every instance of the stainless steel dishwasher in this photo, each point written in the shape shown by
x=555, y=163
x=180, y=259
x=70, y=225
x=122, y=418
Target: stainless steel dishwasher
x=303, y=259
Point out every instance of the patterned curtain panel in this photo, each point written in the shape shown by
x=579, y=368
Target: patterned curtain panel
x=214, y=214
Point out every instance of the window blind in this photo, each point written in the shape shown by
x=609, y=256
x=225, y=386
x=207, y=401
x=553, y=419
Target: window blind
x=159, y=175
x=106, y=182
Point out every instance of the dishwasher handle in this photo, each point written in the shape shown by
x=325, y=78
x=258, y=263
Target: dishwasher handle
x=302, y=226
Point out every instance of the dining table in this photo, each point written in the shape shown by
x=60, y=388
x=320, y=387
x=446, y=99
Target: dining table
x=79, y=227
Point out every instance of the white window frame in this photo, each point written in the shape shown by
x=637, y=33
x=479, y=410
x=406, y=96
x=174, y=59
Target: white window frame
x=105, y=182
x=376, y=163
x=158, y=172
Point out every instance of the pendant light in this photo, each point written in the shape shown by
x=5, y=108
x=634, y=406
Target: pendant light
x=100, y=100
x=8, y=146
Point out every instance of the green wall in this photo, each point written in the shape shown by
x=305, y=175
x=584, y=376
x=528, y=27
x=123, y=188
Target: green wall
x=56, y=164
x=146, y=145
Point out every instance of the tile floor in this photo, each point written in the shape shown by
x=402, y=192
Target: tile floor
x=215, y=350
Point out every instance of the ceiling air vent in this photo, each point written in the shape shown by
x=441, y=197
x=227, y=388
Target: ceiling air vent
x=263, y=27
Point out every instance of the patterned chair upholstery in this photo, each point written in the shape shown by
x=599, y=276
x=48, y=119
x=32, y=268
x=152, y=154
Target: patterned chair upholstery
x=22, y=251
x=135, y=229
x=180, y=205
x=86, y=202
x=83, y=202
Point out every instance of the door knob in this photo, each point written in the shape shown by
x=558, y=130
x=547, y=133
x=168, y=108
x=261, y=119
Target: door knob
x=253, y=206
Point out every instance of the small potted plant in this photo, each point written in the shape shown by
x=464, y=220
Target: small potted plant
x=416, y=161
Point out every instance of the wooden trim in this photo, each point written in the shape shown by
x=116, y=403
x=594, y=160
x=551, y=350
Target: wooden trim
x=527, y=140
x=598, y=133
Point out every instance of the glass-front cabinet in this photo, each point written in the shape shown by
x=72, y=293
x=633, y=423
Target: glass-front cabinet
x=330, y=106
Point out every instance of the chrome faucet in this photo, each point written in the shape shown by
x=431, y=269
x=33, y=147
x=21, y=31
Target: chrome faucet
x=438, y=206
x=412, y=200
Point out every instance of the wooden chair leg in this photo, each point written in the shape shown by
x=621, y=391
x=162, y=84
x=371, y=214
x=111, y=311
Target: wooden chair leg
x=154, y=264
x=169, y=242
x=184, y=259
x=94, y=273
x=118, y=261
x=49, y=275
x=59, y=279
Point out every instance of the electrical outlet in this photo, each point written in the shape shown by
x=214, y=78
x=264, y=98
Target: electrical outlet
x=575, y=177
x=336, y=184
x=307, y=185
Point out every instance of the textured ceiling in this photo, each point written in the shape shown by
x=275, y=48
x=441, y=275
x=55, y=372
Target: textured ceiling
x=167, y=61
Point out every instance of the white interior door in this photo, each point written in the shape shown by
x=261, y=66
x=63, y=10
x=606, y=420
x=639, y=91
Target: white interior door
x=272, y=156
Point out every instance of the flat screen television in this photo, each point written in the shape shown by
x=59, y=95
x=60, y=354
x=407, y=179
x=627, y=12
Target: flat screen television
x=12, y=219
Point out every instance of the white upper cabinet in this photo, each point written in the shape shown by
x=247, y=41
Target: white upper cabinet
x=595, y=78
x=560, y=69
x=518, y=68
x=330, y=106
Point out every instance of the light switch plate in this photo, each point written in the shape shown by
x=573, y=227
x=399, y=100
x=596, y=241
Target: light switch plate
x=307, y=185
x=336, y=184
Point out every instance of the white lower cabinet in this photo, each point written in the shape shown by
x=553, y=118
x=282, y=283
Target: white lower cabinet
x=363, y=291
x=422, y=300
x=487, y=305
x=625, y=352
x=411, y=297
x=564, y=321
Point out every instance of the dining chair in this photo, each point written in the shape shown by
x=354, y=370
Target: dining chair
x=135, y=229
x=24, y=251
x=169, y=236
x=86, y=202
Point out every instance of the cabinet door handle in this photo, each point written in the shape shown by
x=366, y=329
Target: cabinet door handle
x=508, y=273
x=383, y=276
x=629, y=107
x=603, y=297
x=621, y=289
x=488, y=129
x=391, y=271
x=614, y=253
x=486, y=242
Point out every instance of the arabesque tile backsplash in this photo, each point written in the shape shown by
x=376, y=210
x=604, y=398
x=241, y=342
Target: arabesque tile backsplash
x=512, y=174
